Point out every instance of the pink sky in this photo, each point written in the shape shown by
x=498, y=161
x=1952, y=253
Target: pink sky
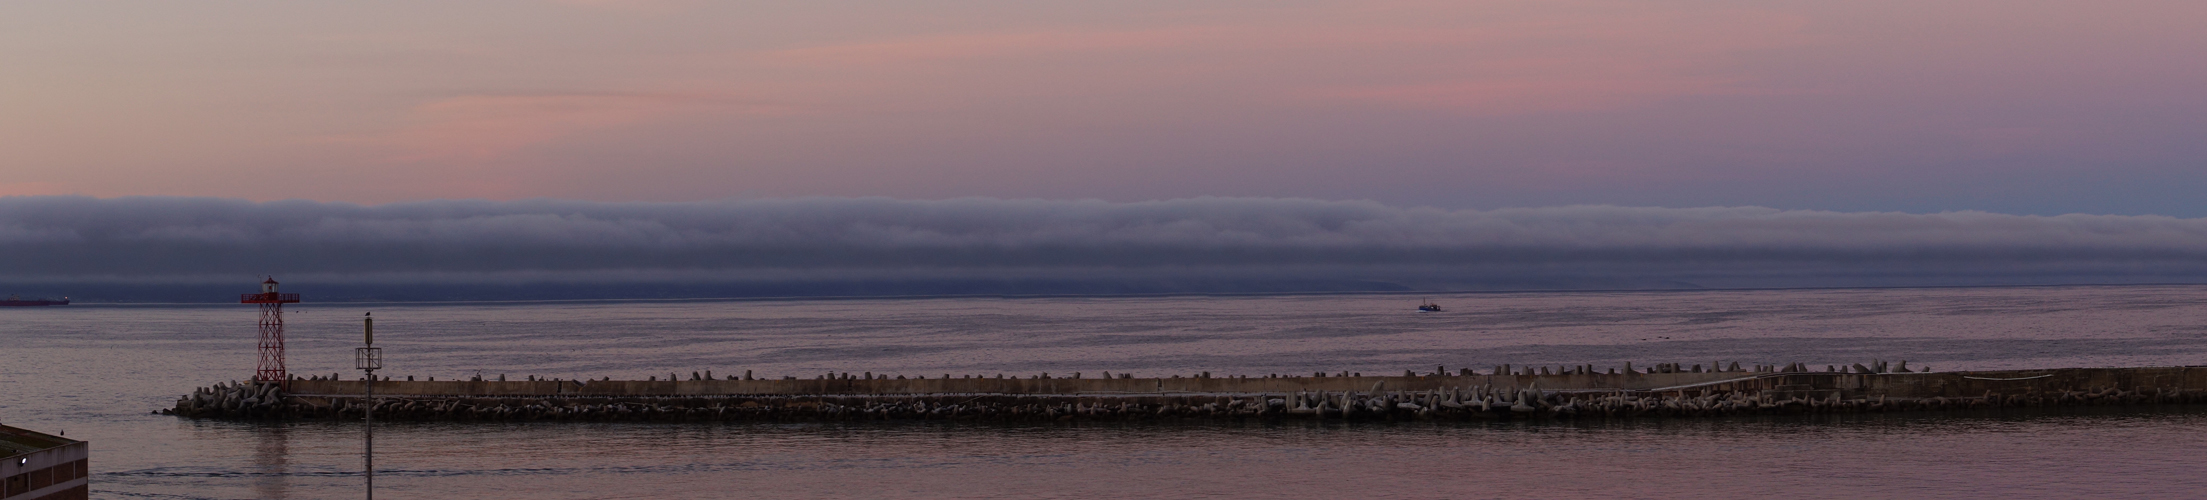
x=2015, y=106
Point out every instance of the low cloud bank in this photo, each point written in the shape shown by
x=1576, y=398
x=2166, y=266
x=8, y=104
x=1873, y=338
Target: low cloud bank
x=1177, y=245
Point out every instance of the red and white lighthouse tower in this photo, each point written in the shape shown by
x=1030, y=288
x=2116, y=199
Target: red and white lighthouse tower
x=272, y=329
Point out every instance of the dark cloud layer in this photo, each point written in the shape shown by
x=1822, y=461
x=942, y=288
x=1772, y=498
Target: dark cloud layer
x=863, y=246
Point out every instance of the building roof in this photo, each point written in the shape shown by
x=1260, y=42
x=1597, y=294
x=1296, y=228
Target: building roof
x=16, y=441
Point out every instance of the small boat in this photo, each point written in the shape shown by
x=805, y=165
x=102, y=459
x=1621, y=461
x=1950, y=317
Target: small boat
x=18, y=301
x=1429, y=306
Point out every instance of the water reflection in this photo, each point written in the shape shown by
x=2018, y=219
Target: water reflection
x=272, y=461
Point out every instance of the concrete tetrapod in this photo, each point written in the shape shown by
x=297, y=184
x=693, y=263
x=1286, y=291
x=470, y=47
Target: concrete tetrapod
x=1577, y=394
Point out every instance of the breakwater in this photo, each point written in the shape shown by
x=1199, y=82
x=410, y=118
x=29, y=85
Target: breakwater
x=1567, y=392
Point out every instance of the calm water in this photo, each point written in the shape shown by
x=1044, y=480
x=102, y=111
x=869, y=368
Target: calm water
x=95, y=372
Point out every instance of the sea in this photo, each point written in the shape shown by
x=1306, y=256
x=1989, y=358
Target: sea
x=97, y=372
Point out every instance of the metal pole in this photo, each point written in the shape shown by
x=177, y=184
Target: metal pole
x=370, y=427
x=368, y=359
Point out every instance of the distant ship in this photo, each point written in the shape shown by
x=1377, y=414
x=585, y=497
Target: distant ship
x=18, y=301
x=1429, y=306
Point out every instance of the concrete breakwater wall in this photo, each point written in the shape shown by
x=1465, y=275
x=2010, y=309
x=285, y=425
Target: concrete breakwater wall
x=1581, y=394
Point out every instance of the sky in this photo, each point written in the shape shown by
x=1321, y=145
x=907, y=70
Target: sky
x=675, y=148
x=2010, y=107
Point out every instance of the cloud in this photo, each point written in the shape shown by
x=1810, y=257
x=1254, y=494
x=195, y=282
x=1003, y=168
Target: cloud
x=1222, y=240
x=1477, y=58
x=29, y=188
x=1007, y=45
x=1531, y=95
x=481, y=128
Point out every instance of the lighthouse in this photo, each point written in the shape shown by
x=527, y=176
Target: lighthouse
x=271, y=367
